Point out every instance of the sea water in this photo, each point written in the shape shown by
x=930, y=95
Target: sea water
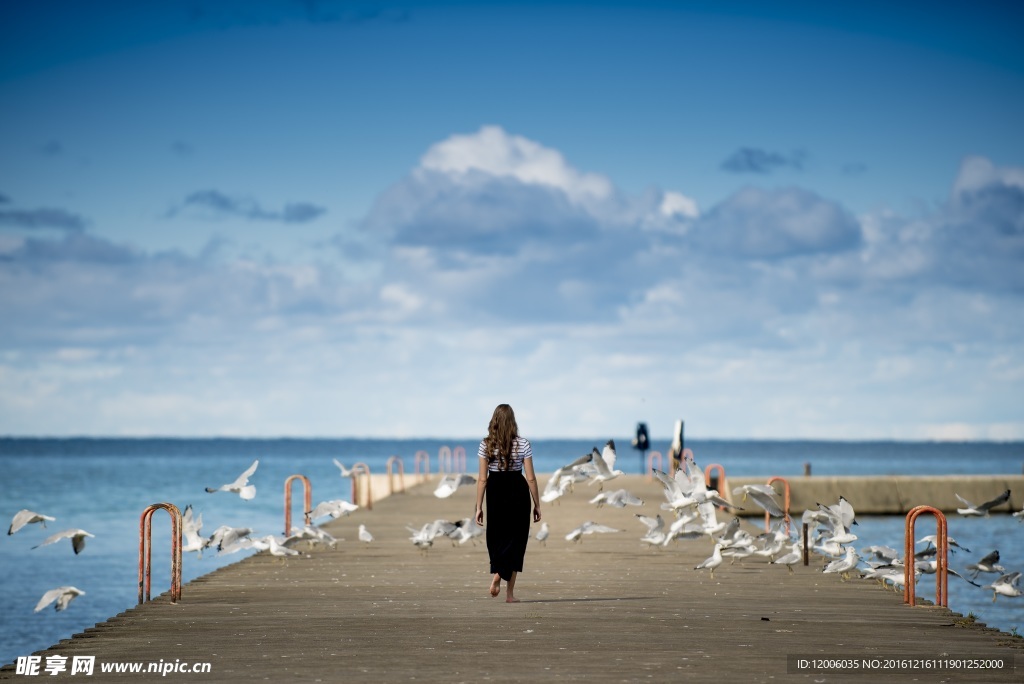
x=103, y=485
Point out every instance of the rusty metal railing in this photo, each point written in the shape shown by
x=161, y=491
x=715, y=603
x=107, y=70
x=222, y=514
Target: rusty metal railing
x=941, y=557
x=391, y=474
x=146, y=550
x=785, y=503
x=307, y=501
x=358, y=470
x=459, y=459
x=651, y=458
x=444, y=460
x=723, y=487
x=424, y=458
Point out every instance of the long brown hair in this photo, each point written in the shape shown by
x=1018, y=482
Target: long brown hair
x=501, y=434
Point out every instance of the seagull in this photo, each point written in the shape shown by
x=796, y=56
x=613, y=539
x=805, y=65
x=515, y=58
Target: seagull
x=190, y=526
x=1019, y=515
x=879, y=555
x=240, y=486
x=790, y=559
x=840, y=517
x=364, y=534
x=605, y=463
x=989, y=563
x=77, y=539
x=226, y=536
x=587, y=528
x=345, y=472
x=844, y=565
x=62, y=595
x=543, y=533
x=930, y=540
x=449, y=483
x=425, y=536
x=713, y=561
x=981, y=509
x=620, y=498
x=563, y=478
x=655, y=529
x=1007, y=585
x=335, y=508
x=25, y=517
x=763, y=495
x=313, y=535
x=465, y=530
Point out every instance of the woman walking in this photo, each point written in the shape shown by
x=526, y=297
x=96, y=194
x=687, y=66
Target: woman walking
x=505, y=458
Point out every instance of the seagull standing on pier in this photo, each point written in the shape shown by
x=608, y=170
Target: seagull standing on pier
x=713, y=561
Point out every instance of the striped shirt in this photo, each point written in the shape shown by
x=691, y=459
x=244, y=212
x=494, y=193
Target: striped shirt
x=521, y=450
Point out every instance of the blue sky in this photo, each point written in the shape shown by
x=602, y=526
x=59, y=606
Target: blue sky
x=775, y=220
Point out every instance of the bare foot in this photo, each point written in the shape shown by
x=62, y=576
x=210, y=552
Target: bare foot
x=496, y=586
x=511, y=599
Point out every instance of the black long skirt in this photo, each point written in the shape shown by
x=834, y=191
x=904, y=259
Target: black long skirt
x=508, y=521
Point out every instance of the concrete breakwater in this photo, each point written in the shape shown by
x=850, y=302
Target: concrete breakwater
x=869, y=495
x=890, y=494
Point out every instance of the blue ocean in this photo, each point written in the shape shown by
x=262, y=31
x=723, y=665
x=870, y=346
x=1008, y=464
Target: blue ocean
x=103, y=485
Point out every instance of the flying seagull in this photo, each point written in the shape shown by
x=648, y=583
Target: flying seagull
x=62, y=595
x=981, y=509
x=77, y=539
x=25, y=517
x=240, y=486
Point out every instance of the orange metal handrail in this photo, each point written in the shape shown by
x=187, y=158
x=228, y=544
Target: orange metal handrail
x=941, y=557
x=785, y=505
x=444, y=460
x=723, y=488
x=307, y=499
x=424, y=457
x=650, y=464
x=146, y=550
x=357, y=470
x=391, y=474
x=459, y=458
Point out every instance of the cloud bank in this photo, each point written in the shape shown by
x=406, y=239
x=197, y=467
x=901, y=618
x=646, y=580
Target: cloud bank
x=496, y=271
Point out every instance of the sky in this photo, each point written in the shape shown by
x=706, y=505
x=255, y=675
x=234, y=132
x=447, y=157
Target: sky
x=788, y=220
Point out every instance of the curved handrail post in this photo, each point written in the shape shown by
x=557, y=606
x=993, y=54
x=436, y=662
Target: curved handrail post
x=146, y=550
x=459, y=458
x=785, y=505
x=421, y=457
x=941, y=556
x=391, y=475
x=651, y=457
x=358, y=470
x=307, y=499
x=723, y=489
x=444, y=460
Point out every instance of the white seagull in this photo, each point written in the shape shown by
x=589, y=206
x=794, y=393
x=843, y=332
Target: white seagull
x=605, y=463
x=713, y=561
x=190, y=527
x=763, y=495
x=543, y=533
x=62, y=595
x=335, y=508
x=620, y=498
x=449, y=483
x=345, y=472
x=364, y=534
x=790, y=559
x=989, y=563
x=587, y=528
x=845, y=565
x=26, y=517
x=981, y=509
x=1006, y=585
x=563, y=478
x=77, y=539
x=241, y=485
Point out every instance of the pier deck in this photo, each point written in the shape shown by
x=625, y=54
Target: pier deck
x=607, y=609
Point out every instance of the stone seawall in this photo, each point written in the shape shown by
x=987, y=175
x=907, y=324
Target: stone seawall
x=891, y=494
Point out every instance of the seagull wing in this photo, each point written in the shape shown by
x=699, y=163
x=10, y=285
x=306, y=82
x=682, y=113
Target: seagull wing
x=964, y=501
x=1001, y=499
x=767, y=502
x=243, y=479
x=608, y=454
x=600, y=463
